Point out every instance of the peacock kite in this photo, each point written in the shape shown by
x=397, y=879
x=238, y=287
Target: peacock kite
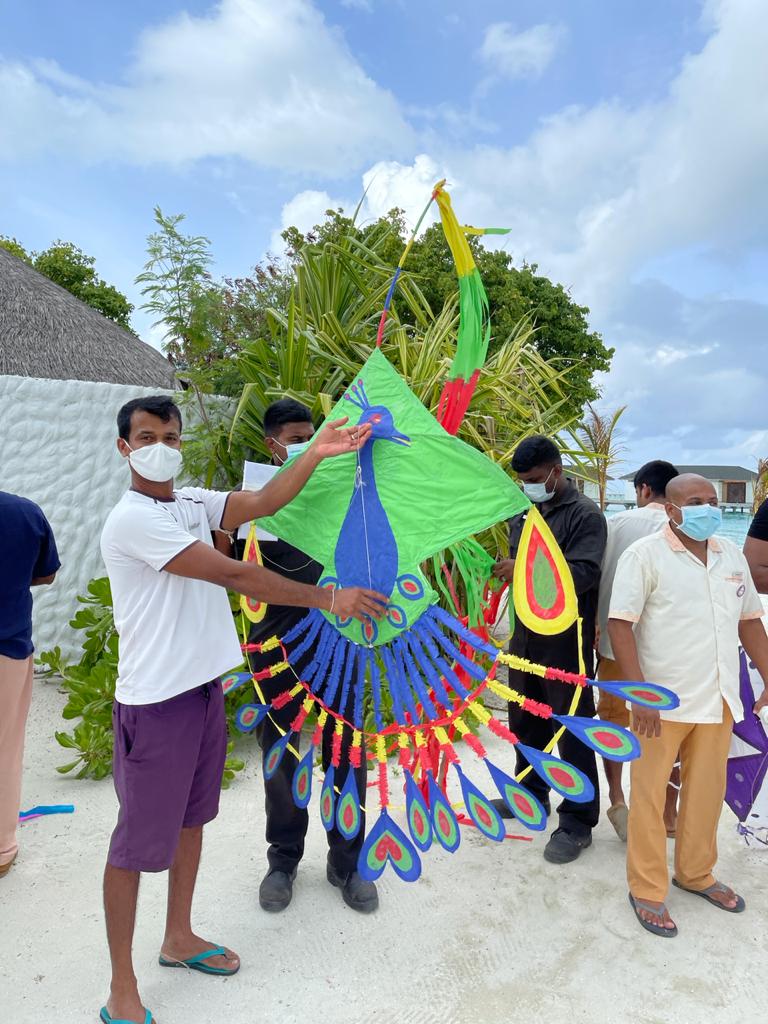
x=378, y=516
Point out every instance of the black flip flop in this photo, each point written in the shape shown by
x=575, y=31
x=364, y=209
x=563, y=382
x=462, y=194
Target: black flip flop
x=706, y=894
x=654, y=929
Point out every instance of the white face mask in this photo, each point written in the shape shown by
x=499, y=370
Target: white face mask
x=538, y=492
x=156, y=462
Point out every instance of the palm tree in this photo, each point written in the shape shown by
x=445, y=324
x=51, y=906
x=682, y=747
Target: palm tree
x=600, y=444
x=761, y=485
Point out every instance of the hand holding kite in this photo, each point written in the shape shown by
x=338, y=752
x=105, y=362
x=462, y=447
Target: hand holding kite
x=334, y=438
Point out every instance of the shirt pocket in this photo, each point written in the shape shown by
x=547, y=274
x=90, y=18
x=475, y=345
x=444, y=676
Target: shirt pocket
x=733, y=587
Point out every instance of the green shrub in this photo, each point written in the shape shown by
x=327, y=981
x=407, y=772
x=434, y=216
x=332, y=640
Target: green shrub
x=90, y=689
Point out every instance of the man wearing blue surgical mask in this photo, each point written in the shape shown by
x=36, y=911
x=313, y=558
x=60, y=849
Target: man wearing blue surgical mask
x=682, y=600
x=288, y=429
x=580, y=530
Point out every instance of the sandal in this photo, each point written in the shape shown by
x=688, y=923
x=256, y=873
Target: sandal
x=5, y=868
x=707, y=895
x=654, y=929
x=618, y=815
x=197, y=963
x=106, y=1019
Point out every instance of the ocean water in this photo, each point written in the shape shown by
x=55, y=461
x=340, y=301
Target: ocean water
x=735, y=525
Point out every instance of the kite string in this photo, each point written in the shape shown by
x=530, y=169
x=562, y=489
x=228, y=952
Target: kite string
x=360, y=486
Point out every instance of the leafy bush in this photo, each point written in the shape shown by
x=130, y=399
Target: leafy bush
x=90, y=689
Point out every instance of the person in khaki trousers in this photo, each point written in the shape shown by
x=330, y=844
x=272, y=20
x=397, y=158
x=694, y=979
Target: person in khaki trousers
x=682, y=600
x=28, y=558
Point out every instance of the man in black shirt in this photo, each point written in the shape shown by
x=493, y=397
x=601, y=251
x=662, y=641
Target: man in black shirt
x=288, y=428
x=756, y=548
x=580, y=529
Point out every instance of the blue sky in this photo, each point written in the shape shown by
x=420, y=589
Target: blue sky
x=625, y=145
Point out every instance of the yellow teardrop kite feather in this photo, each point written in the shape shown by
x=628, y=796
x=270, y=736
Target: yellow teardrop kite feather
x=542, y=585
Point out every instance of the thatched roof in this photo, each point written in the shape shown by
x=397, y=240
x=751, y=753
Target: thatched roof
x=46, y=332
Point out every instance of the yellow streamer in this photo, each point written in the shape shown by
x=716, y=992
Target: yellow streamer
x=501, y=690
x=454, y=236
x=481, y=714
x=442, y=736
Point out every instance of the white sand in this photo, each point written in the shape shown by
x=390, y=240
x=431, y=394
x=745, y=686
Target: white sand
x=491, y=934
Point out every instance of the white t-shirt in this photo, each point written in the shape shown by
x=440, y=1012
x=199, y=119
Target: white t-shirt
x=175, y=633
x=623, y=529
x=686, y=617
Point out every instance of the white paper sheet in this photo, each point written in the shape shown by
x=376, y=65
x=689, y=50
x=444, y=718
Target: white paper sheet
x=255, y=476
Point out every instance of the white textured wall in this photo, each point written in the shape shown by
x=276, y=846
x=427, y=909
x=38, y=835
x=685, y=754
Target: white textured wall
x=57, y=447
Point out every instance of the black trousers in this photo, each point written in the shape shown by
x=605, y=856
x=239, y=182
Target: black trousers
x=579, y=818
x=286, y=823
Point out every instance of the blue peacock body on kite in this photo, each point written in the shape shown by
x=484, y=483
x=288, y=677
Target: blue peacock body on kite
x=366, y=553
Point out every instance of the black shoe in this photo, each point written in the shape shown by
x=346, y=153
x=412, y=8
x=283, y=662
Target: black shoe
x=356, y=892
x=504, y=811
x=563, y=846
x=276, y=890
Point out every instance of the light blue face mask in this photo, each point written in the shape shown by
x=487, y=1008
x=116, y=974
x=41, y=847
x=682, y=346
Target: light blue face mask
x=700, y=522
x=538, y=492
x=291, y=450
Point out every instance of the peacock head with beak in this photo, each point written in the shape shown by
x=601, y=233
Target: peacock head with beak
x=380, y=418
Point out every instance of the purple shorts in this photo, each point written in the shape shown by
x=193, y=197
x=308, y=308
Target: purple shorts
x=168, y=764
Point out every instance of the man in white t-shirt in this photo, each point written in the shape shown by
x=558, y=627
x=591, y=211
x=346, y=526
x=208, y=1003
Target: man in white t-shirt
x=177, y=636
x=681, y=601
x=650, y=483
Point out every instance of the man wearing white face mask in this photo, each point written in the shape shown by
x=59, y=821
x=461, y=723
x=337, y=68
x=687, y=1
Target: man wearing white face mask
x=177, y=637
x=681, y=601
x=580, y=530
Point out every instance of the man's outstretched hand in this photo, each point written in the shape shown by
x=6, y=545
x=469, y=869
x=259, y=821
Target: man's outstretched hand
x=358, y=603
x=336, y=439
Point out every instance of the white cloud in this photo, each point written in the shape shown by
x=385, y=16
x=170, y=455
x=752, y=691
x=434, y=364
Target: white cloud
x=304, y=211
x=358, y=5
x=525, y=54
x=385, y=185
x=269, y=83
x=668, y=355
x=388, y=184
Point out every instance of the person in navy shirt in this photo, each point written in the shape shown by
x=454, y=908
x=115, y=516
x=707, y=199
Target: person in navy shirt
x=28, y=558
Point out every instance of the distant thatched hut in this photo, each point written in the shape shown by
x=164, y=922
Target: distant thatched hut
x=64, y=372
x=46, y=333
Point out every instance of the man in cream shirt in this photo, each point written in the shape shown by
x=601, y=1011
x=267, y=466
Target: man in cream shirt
x=650, y=484
x=681, y=601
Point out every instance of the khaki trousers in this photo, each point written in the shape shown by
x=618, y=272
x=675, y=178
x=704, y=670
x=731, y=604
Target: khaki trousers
x=703, y=757
x=15, y=698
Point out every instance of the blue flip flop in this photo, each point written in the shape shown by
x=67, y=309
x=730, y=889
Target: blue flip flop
x=106, y=1019
x=197, y=963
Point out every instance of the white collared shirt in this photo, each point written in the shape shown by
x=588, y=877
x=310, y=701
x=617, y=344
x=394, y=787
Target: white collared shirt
x=687, y=617
x=623, y=529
